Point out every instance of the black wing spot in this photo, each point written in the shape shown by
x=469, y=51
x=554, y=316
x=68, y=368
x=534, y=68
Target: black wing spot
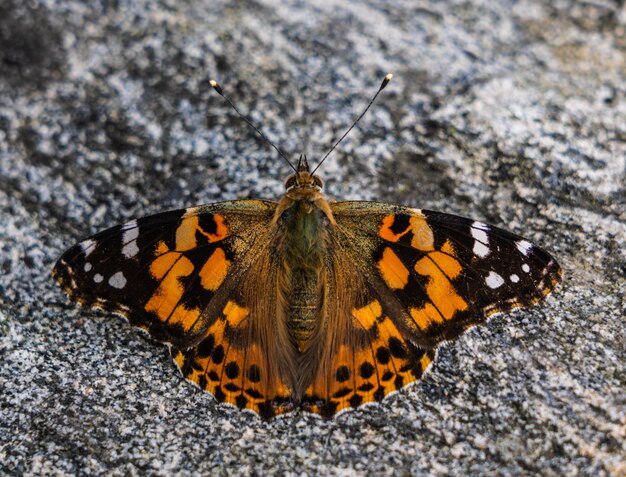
x=241, y=401
x=207, y=223
x=356, y=400
x=232, y=370
x=254, y=373
x=400, y=223
x=219, y=394
x=205, y=348
x=253, y=393
x=397, y=348
x=382, y=355
x=342, y=374
x=379, y=394
x=218, y=354
x=343, y=392
x=366, y=370
x=232, y=387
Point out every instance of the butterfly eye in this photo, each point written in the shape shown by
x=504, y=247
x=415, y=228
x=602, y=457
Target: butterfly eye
x=317, y=182
x=291, y=182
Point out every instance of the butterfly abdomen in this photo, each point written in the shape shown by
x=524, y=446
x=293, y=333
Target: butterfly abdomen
x=304, y=248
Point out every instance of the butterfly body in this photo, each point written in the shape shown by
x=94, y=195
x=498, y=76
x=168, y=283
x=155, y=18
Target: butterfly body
x=305, y=247
x=302, y=303
x=302, y=234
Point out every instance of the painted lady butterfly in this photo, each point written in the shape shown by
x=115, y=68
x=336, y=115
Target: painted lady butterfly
x=302, y=303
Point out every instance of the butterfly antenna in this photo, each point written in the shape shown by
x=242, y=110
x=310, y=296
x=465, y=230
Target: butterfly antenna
x=385, y=82
x=219, y=90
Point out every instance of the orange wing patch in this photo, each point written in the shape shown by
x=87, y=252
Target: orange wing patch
x=214, y=270
x=232, y=369
x=186, y=233
x=444, y=300
x=164, y=303
x=171, y=266
x=422, y=237
x=392, y=270
x=369, y=371
x=367, y=316
x=440, y=267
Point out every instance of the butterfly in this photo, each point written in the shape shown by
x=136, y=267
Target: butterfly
x=305, y=303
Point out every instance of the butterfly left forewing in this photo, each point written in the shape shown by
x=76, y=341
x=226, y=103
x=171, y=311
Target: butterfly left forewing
x=161, y=272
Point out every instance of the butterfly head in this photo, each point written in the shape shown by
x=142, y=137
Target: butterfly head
x=303, y=178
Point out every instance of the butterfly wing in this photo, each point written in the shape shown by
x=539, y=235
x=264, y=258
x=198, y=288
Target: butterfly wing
x=426, y=277
x=399, y=282
x=179, y=275
x=246, y=353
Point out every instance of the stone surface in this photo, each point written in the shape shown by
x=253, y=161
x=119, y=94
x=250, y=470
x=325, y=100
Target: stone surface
x=511, y=112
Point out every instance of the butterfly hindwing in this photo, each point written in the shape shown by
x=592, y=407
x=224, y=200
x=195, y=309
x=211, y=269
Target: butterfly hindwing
x=232, y=364
x=242, y=357
x=366, y=356
x=373, y=360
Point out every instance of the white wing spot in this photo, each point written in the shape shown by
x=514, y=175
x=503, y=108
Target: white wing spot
x=129, y=239
x=88, y=246
x=480, y=225
x=494, y=280
x=524, y=246
x=87, y=266
x=130, y=226
x=130, y=249
x=98, y=278
x=480, y=249
x=514, y=278
x=526, y=268
x=480, y=234
x=481, y=239
x=117, y=280
x=130, y=235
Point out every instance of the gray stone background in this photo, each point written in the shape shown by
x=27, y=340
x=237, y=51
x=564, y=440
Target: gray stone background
x=511, y=112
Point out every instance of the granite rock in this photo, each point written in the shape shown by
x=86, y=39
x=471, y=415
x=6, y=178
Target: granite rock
x=511, y=112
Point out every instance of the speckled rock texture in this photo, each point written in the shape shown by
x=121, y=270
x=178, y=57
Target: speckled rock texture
x=511, y=112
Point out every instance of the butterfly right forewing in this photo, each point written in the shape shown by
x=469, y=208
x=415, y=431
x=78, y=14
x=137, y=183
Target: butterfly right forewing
x=440, y=274
x=424, y=277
